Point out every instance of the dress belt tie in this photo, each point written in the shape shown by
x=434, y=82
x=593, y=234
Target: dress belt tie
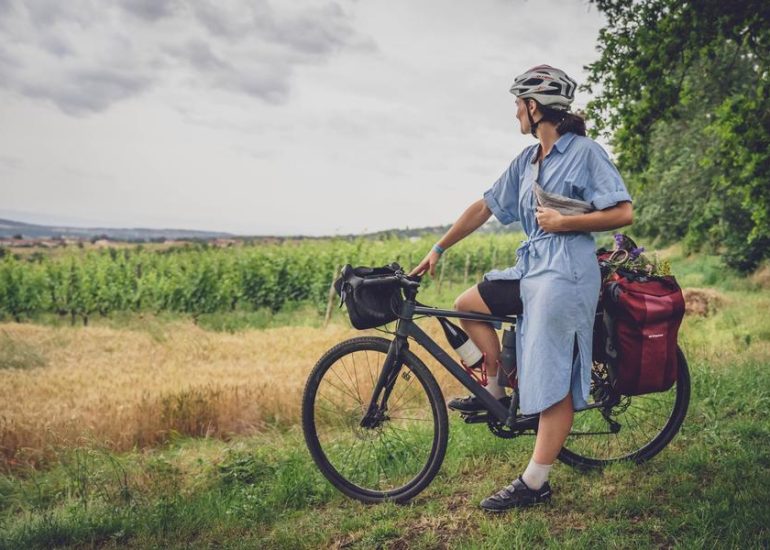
x=526, y=248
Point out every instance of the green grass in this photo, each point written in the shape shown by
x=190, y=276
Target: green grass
x=705, y=270
x=710, y=487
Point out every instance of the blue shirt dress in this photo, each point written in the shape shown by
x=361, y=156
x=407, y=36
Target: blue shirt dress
x=558, y=271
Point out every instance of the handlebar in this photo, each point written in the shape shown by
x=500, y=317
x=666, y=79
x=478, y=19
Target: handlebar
x=404, y=280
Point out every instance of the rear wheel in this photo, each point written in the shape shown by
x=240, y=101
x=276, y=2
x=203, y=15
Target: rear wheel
x=636, y=428
x=397, y=457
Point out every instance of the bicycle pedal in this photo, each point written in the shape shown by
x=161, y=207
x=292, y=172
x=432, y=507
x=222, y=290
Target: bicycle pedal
x=527, y=422
x=475, y=418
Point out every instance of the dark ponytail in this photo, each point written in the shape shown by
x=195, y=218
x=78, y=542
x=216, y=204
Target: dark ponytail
x=564, y=121
x=572, y=123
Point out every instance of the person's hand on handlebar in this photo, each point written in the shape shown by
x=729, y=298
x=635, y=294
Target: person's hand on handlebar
x=427, y=264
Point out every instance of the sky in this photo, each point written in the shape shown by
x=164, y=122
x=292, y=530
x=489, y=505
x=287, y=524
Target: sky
x=269, y=118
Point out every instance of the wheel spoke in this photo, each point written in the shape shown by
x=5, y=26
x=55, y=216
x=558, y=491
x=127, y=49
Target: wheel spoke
x=355, y=374
x=341, y=390
x=347, y=388
x=408, y=418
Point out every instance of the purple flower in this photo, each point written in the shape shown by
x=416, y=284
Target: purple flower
x=636, y=251
x=618, y=240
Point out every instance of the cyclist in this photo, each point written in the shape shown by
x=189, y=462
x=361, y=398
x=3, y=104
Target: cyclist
x=554, y=286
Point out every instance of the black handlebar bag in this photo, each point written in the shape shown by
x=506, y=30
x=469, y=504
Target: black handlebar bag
x=371, y=305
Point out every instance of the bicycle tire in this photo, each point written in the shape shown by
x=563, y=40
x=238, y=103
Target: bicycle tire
x=656, y=444
x=440, y=424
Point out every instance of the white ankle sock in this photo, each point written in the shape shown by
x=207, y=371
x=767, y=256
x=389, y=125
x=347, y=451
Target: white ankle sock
x=536, y=474
x=494, y=388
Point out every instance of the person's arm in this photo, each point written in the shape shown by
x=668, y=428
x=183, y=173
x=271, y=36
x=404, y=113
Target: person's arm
x=470, y=220
x=600, y=220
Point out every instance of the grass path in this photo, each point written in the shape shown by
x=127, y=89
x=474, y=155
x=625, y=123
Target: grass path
x=710, y=487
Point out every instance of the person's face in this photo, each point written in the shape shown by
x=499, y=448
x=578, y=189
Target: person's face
x=521, y=115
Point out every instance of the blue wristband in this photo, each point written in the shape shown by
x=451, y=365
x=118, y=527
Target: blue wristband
x=438, y=249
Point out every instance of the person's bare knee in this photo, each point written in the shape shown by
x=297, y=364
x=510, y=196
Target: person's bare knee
x=460, y=303
x=471, y=300
x=482, y=333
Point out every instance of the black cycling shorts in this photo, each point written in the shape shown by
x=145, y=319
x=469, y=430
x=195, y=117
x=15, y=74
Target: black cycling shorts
x=503, y=297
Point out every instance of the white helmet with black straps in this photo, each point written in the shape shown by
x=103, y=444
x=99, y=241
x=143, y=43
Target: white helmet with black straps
x=547, y=85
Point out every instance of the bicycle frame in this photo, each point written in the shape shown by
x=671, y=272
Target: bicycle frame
x=405, y=328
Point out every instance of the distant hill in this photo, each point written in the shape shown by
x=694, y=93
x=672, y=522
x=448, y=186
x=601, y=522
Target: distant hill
x=10, y=229
x=492, y=226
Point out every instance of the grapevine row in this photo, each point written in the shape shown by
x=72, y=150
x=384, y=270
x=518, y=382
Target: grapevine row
x=202, y=279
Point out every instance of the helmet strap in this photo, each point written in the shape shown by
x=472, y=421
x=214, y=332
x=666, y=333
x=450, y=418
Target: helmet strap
x=532, y=124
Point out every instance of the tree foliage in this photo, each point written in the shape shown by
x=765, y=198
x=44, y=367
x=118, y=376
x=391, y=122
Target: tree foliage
x=683, y=92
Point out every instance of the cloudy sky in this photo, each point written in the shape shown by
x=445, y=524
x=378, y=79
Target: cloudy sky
x=268, y=117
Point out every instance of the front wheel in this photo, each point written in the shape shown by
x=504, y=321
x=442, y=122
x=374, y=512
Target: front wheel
x=400, y=454
x=636, y=428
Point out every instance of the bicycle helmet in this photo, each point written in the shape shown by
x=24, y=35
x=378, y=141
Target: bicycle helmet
x=547, y=85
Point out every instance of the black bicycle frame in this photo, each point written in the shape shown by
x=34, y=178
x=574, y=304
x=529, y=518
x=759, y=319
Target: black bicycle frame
x=405, y=328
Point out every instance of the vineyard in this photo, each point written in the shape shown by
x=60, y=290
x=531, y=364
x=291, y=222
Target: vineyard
x=197, y=279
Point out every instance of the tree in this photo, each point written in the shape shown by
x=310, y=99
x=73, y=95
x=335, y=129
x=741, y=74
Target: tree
x=683, y=90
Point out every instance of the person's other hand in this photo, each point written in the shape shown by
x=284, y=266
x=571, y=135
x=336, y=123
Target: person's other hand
x=427, y=264
x=549, y=219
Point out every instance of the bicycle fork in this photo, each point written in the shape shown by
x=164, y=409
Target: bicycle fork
x=391, y=368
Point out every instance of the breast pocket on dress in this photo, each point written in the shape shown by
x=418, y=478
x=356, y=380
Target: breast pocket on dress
x=575, y=188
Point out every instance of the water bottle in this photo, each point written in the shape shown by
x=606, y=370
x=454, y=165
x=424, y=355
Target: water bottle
x=506, y=374
x=468, y=351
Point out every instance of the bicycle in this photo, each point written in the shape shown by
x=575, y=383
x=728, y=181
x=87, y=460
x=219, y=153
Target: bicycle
x=376, y=435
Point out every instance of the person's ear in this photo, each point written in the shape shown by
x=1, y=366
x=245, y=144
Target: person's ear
x=531, y=106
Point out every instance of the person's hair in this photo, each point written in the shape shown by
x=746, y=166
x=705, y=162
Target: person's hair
x=563, y=120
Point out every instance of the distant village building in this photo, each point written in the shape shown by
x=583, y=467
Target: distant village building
x=18, y=243
x=224, y=242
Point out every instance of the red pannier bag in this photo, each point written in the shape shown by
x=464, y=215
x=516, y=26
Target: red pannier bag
x=646, y=314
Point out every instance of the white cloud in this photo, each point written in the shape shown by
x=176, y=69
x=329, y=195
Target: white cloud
x=86, y=55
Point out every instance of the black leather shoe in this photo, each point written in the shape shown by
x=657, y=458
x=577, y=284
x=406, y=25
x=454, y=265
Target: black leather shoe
x=516, y=495
x=471, y=403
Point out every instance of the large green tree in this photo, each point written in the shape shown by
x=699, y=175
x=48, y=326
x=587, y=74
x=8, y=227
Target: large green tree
x=683, y=93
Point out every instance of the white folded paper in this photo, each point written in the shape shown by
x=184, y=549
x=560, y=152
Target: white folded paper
x=565, y=205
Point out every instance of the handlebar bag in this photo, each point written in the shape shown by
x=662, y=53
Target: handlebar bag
x=646, y=314
x=371, y=305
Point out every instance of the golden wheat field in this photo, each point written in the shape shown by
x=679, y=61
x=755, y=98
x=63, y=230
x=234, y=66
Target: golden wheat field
x=124, y=388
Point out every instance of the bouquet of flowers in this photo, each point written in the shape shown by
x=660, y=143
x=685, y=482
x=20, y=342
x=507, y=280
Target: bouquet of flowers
x=630, y=257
